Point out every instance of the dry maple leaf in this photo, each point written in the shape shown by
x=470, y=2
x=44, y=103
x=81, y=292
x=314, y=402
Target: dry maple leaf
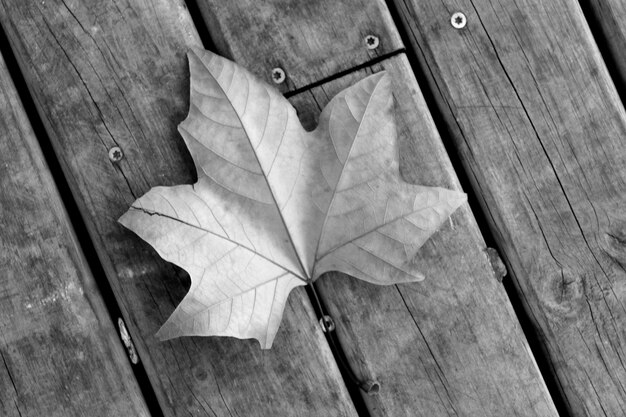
x=276, y=206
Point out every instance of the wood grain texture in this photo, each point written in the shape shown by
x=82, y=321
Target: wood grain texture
x=451, y=344
x=608, y=18
x=309, y=40
x=59, y=351
x=115, y=73
x=540, y=128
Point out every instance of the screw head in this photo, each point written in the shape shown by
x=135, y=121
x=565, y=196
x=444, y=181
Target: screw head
x=458, y=20
x=278, y=75
x=327, y=323
x=372, y=42
x=115, y=154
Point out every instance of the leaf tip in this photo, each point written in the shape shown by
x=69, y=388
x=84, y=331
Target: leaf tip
x=461, y=198
x=166, y=332
x=379, y=76
x=378, y=83
x=197, y=54
x=196, y=51
x=453, y=198
x=124, y=219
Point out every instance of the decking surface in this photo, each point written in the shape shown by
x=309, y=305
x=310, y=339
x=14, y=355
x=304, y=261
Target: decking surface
x=522, y=109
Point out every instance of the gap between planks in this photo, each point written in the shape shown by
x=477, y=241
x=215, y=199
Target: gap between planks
x=74, y=216
x=435, y=101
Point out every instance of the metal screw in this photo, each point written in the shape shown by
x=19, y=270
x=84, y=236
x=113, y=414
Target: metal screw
x=372, y=42
x=327, y=323
x=278, y=76
x=128, y=342
x=115, y=154
x=458, y=20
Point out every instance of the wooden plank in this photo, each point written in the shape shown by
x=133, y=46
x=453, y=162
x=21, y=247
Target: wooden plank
x=59, y=351
x=107, y=74
x=452, y=343
x=608, y=21
x=540, y=128
x=448, y=345
x=317, y=39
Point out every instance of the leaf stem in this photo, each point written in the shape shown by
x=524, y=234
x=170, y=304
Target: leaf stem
x=369, y=387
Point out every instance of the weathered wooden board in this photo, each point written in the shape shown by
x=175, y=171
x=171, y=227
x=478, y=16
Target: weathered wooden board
x=609, y=20
x=451, y=344
x=107, y=74
x=309, y=40
x=59, y=351
x=541, y=131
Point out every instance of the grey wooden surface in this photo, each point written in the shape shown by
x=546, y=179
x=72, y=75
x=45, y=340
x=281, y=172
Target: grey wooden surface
x=450, y=344
x=607, y=18
x=540, y=129
x=106, y=74
x=59, y=351
x=308, y=40
x=530, y=112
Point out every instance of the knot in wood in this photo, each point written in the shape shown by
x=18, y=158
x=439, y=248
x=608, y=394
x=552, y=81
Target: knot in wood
x=614, y=244
x=563, y=293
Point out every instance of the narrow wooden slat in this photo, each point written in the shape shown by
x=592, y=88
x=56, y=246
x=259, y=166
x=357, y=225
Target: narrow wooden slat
x=451, y=344
x=107, y=74
x=309, y=40
x=541, y=130
x=609, y=19
x=59, y=351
